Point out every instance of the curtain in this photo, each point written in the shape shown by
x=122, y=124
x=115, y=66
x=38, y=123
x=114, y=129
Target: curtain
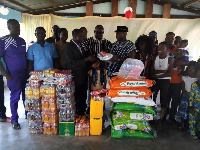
x=31, y=22
x=186, y=28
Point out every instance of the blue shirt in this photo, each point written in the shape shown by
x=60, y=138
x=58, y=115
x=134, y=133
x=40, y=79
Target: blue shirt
x=13, y=51
x=42, y=56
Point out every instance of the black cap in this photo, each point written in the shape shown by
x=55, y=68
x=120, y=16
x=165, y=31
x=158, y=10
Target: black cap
x=122, y=29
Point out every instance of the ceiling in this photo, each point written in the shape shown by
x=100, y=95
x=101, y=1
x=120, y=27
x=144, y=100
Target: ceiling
x=45, y=6
x=51, y=6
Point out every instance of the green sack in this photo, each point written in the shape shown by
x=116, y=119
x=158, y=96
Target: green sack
x=134, y=107
x=128, y=133
x=122, y=115
x=134, y=125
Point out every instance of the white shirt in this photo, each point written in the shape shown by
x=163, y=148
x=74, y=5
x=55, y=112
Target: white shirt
x=188, y=82
x=162, y=64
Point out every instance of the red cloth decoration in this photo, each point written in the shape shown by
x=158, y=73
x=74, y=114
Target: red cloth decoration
x=128, y=14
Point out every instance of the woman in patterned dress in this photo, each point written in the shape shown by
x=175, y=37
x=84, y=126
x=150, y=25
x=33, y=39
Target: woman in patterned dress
x=187, y=81
x=194, y=107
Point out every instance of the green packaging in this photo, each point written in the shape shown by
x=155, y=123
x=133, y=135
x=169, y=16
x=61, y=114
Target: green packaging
x=66, y=129
x=134, y=107
x=128, y=133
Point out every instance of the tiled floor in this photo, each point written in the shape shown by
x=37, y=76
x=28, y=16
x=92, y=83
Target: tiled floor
x=169, y=138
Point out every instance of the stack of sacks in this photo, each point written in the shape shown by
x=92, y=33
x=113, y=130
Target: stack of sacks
x=43, y=102
x=33, y=102
x=82, y=126
x=49, y=109
x=65, y=102
x=96, y=111
x=65, y=96
x=131, y=90
x=132, y=108
x=49, y=103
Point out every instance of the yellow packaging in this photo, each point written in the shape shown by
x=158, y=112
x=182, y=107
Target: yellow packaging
x=95, y=126
x=96, y=108
x=53, y=107
x=54, y=128
x=42, y=90
x=36, y=93
x=46, y=117
x=54, y=117
x=47, y=128
x=28, y=93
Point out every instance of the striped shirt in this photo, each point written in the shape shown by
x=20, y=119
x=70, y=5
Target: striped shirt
x=93, y=46
x=122, y=50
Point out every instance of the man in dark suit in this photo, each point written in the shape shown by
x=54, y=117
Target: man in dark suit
x=77, y=63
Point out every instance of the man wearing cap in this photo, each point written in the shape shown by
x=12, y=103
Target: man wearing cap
x=121, y=50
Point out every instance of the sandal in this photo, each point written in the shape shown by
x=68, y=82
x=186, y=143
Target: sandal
x=194, y=137
x=16, y=125
x=7, y=119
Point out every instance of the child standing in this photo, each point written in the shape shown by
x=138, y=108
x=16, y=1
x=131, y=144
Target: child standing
x=187, y=81
x=162, y=71
x=97, y=77
x=97, y=80
x=194, y=107
x=184, y=49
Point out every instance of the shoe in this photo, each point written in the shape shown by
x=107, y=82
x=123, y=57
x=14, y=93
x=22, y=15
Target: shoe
x=162, y=112
x=7, y=119
x=16, y=125
x=173, y=120
x=163, y=119
x=182, y=128
x=194, y=137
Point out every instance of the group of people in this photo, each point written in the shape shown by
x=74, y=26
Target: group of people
x=164, y=62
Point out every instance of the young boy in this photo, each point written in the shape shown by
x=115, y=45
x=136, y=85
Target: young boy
x=13, y=50
x=97, y=77
x=182, y=55
x=184, y=49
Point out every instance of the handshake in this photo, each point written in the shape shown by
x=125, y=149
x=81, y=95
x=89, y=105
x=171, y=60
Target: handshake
x=91, y=58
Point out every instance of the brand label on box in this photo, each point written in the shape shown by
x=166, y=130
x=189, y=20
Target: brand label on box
x=134, y=83
x=66, y=128
x=131, y=92
x=139, y=116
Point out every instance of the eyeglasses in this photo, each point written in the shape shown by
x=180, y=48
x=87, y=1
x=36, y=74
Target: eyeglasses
x=99, y=32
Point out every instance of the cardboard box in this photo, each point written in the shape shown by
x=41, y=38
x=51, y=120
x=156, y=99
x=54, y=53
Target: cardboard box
x=66, y=129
